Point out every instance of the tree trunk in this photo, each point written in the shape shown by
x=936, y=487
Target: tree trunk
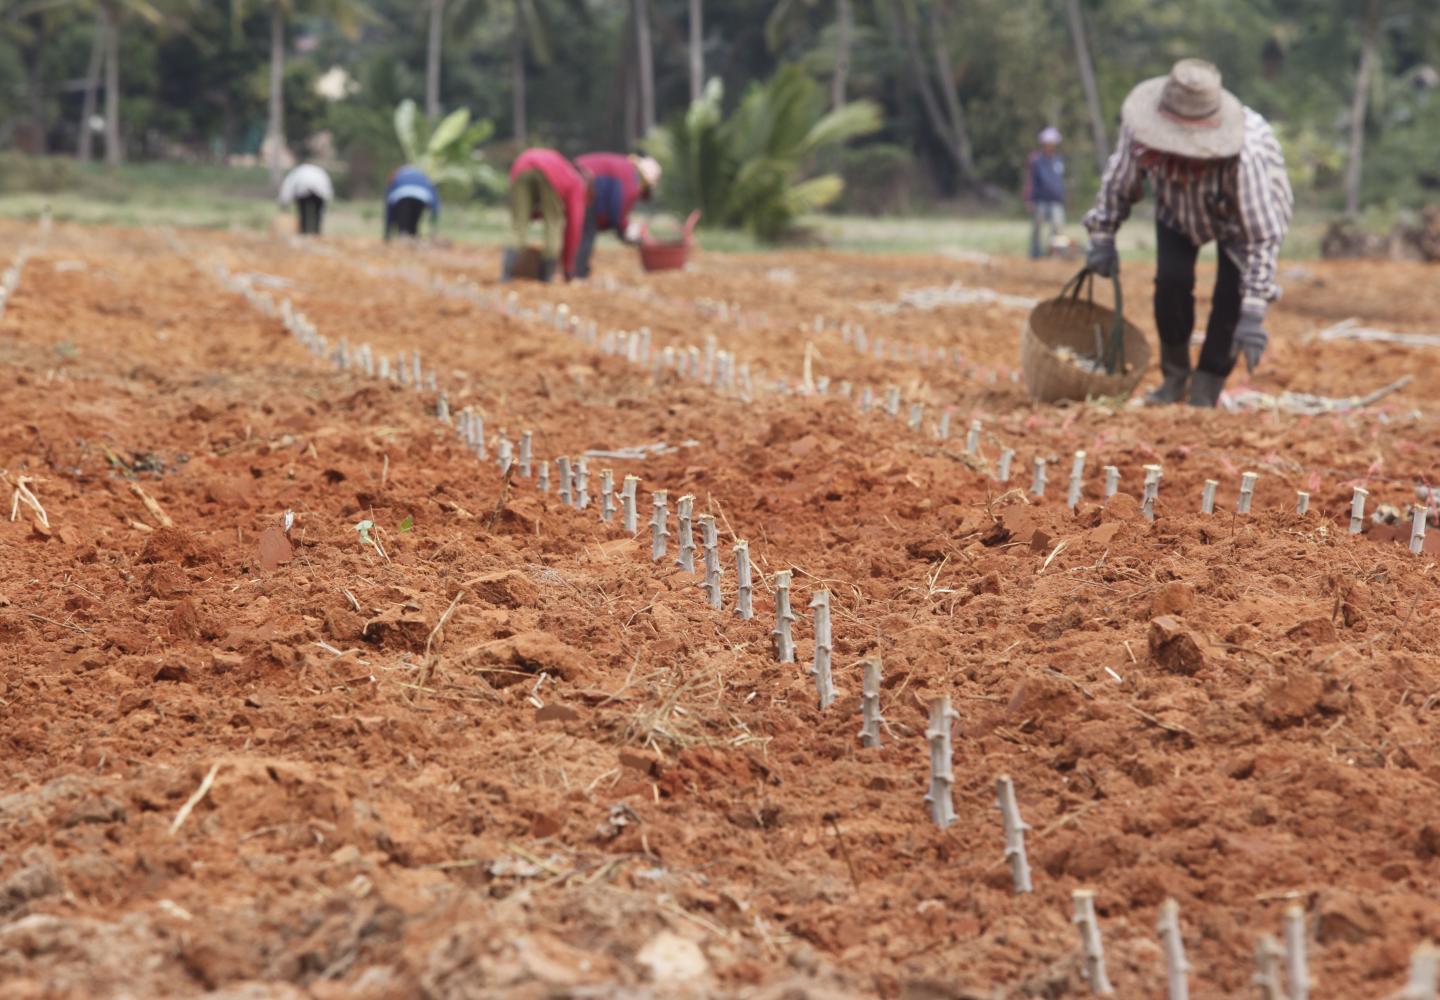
x=432, y=60
x=1087, y=80
x=517, y=95
x=959, y=128
x=844, y=26
x=645, y=65
x=35, y=86
x=114, y=155
x=276, y=130
x=85, y=151
x=1369, y=51
x=697, y=52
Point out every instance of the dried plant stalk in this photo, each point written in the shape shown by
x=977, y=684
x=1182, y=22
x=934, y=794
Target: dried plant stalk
x=1002, y=465
x=1152, y=491
x=1357, y=510
x=1077, y=480
x=824, y=648
x=659, y=524
x=1266, y=979
x=1418, y=514
x=1112, y=481
x=1014, y=833
x=543, y=480
x=1297, y=972
x=870, y=704
x=527, y=446
x=1091, y=947
x=1037, y=482
x=563, y=480
x=710, y=539
x=628, y=502
x=1247, y=492
x=607, y=495
x=744, y=586
x=1207, y=498
x=784, y=619
x=684, y=508
x=1177, y=969
x=942, y=775
x=1302, y=502
x=582, y=482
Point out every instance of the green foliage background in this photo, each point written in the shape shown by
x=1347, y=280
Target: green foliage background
x=195, y=85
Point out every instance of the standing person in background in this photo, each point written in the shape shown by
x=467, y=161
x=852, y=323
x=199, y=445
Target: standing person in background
x=308, y=188
x=618, y=181
x=1218, y=174
x=546, y=186
x=407, y=197
x=1045, y=192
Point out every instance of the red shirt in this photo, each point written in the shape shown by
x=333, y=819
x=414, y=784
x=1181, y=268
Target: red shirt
x=569, y=184
x=617, y=188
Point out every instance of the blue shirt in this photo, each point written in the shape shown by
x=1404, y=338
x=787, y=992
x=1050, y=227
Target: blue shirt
x=1045, y=181
x=411, y=182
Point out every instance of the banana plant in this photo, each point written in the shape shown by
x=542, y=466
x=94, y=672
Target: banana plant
x=447, y=152
x=749, y=170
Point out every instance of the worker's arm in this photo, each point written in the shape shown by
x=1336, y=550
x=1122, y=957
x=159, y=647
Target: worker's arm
x=575, y=208
x=1265, y=206
x=1121, y=186
x=1027, y=193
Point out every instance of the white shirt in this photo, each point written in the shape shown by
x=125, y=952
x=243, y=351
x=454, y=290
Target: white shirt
x=305, y=180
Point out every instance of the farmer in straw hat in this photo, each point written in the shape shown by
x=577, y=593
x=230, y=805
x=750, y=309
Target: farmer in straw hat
x=618, y=182
x=1218, y=174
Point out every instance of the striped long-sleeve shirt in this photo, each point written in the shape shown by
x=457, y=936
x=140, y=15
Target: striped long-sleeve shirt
x=1243, y=203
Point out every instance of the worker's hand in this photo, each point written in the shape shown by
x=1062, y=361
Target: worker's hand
x=1250, y=336
x=1102, y=259
x=633, y=232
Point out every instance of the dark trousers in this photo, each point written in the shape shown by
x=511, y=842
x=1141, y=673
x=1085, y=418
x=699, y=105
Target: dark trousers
x=405, y=214
x=1175, y=300
x=312, y=211
x=587, y=243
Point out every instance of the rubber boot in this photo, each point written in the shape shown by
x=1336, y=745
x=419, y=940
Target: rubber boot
x=1205, y=389
x=547, y=269
x=507, y=263
x=1175, y=365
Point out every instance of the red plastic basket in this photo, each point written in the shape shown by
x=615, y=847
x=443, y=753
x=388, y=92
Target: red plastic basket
x=668, y=256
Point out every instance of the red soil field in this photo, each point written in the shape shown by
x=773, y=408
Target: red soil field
x=499, y=751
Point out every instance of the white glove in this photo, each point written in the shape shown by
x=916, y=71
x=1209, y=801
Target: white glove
x=633, y=232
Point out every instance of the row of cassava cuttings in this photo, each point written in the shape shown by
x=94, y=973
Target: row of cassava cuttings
x=10, y=278
x=1281, y=970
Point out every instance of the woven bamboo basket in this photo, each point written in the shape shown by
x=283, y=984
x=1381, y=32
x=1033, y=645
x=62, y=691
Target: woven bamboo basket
x=1075, y=321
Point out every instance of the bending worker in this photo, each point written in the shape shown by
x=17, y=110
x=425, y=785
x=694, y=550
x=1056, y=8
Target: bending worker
x=407, y=197
x=308, y=188
x=1218, y=174
x=546, y=186
x=618, y=182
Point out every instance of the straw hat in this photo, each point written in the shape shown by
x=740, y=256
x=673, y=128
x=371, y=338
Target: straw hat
x=649, y=170
x=1187, y=113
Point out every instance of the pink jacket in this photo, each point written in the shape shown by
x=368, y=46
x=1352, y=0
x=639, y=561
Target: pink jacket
x=570, y=184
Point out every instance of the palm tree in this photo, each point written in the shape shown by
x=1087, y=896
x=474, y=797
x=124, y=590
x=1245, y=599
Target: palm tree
x=1369, y=49
x=346, y=13
x=697, y=51
x=777, y=24
x=1087, y=80
x=640, y=12
x=432, y=59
